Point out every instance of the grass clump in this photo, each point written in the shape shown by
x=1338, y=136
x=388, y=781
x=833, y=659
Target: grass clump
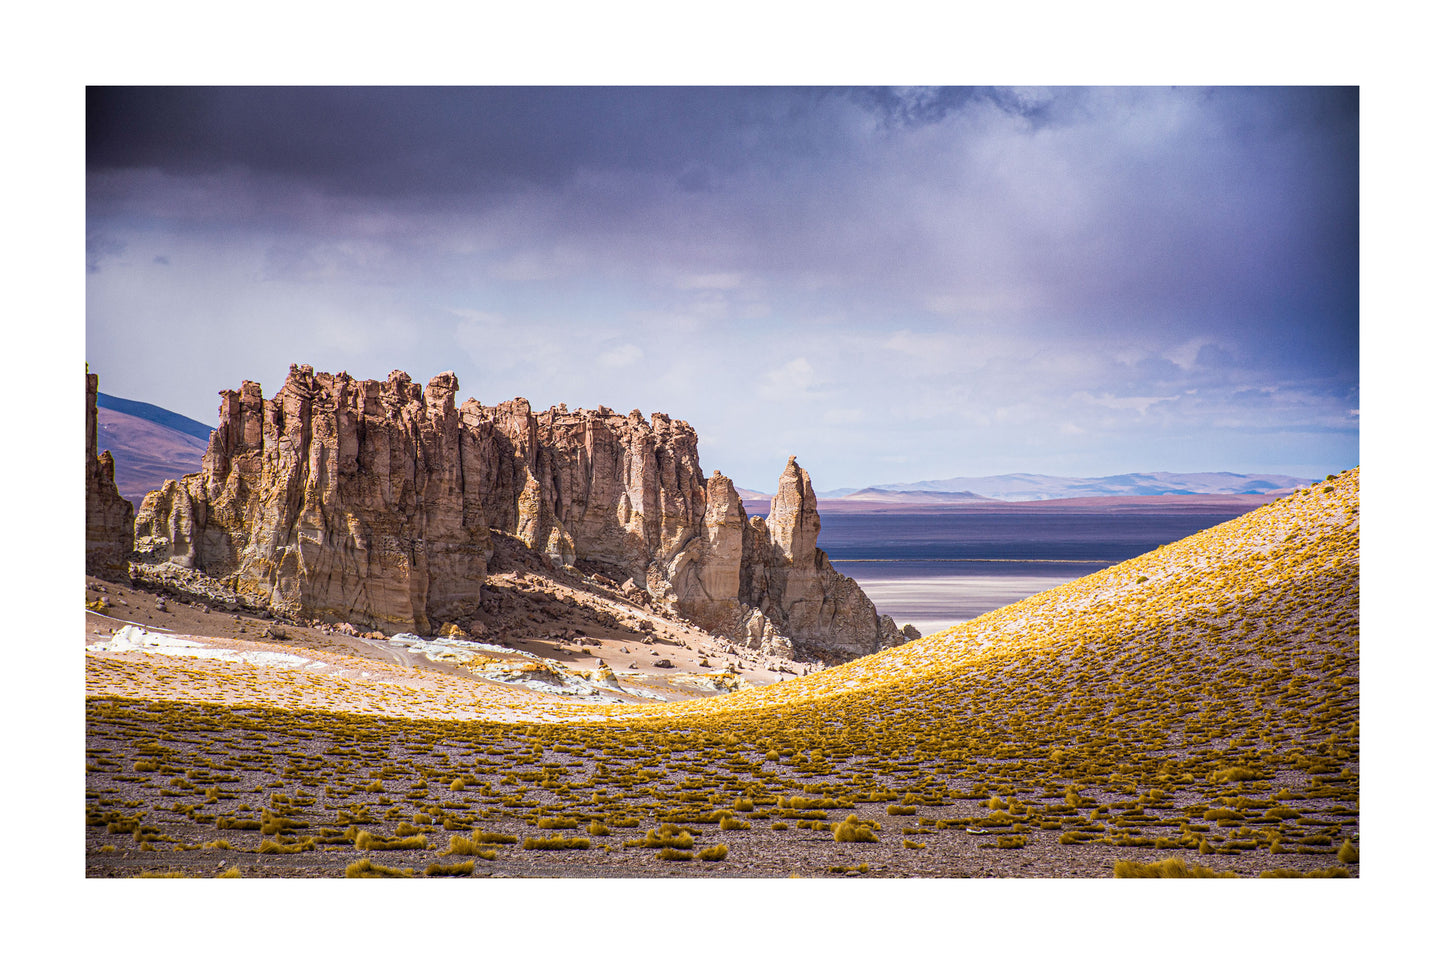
x=1170, y=867
x=366, y=840
x=1235, y=774
x=898, y=810
x=557, y=842
x=668, y=835
x=715, y=852
x=1279, y=872
x=270, y=846
x=1349, y=853
x=365, y=868
x=668, y=853
x=461, y=846
x=488, y=836
x=463, y=869
x=853, y=831
x=1008, y=843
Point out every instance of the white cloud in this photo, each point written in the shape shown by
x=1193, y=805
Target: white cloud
x=621, y=356
x=1187, y=354
x=792, y=381
x=1137, y=404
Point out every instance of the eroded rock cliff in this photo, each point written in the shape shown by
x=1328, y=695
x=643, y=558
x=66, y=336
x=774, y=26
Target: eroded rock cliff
x=338, y=498
x=372, y=502
x=108, y=517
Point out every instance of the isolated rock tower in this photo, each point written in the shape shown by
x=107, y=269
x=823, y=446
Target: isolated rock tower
x=108, y=517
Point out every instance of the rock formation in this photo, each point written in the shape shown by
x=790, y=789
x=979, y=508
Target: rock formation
x=108, y=517
x=338, y=498
x=766, y=583
x=372, y=502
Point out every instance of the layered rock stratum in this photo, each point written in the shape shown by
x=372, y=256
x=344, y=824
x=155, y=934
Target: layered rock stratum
x=108, y=517
x=376, y=502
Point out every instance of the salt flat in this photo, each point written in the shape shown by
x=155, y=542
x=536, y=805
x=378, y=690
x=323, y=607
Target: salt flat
x=934, y=603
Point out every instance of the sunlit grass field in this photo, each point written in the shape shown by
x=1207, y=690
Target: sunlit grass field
x=1190, y=712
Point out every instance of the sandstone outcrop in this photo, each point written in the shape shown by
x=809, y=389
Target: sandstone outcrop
x=338, y=498
x=373, y=503
x=786, y=598
x=108, y=517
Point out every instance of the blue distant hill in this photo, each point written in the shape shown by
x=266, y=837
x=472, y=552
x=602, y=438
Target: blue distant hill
x=154, y=413
x=1022, y=487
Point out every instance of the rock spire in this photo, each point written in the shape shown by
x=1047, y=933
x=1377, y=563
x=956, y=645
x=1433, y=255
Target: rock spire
x=108, y=517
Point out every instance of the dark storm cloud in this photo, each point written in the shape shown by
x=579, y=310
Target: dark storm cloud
x=1091, y=266
x=417, y=140
x=1145, y=202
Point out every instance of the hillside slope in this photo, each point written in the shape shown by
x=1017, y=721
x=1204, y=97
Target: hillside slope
x=1278, y=583
x=147, y=451
x=1201, y=700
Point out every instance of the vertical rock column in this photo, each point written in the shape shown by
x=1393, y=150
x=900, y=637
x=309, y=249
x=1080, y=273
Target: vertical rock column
x=795, y=590
x=344, y=499
x=108, y=517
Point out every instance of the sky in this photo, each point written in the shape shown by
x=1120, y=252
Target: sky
x=892, y=284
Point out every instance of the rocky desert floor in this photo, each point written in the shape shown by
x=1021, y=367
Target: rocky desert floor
x=1195, y=710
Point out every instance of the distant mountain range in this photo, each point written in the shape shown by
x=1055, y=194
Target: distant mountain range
x=913, y=496
x=150, y=444
x=154, y=413
x=1024, y=487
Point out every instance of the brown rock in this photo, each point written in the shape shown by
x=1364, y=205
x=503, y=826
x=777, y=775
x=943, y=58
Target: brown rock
x=704, y=575
x=338, y=498
x=793, y=589
x=372, y=502
x=108, y=517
